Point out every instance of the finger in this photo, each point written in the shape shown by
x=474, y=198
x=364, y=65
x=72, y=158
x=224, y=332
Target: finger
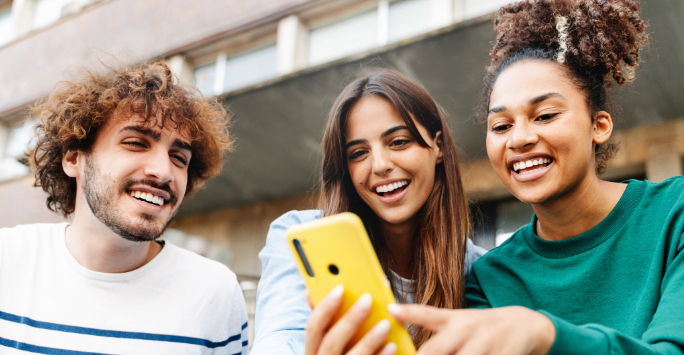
x=308, y=299
x=320, y=319
x=445, y=342
x=425, y=316
x=337, y=338
x=389, y=349
x=481, y=345
x=373, y=340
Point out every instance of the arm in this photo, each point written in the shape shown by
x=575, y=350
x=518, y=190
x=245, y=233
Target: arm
x=282, y=309
x=664, y=335
x=499, y=328
x=474, y=297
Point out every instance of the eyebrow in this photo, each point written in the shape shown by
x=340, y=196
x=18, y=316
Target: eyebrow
x=383, y=135
x=156, y=136
x=533, y=101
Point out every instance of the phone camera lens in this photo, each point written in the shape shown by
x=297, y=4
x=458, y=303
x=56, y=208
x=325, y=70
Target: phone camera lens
x=333, y=269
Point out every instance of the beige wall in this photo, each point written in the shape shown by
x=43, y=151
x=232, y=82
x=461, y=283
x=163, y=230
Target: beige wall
x=33, y=64
x=21, y=203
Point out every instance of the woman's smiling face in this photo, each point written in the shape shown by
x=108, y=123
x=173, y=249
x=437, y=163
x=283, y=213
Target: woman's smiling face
x=391, y=172
x=540, y=134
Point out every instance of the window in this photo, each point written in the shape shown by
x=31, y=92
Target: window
x=231, y=73
x=204, y=78
x=6, y=30
x=386, y=22
x=18, y=140
x=250, y=68
x=474, y=8
x=46, y=12
x=408, y=18
x=337, y=40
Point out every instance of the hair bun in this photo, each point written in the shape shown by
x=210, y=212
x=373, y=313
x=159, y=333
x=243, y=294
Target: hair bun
x=601, y=34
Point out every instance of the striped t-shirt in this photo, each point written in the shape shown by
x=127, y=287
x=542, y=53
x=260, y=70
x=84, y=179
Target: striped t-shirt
x=178, y=303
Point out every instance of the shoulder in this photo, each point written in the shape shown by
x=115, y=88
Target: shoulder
x=27, y=234
x=294, y=218
x=203, y=272
x=671, y=188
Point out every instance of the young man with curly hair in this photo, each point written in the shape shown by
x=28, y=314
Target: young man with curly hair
x=117, y=152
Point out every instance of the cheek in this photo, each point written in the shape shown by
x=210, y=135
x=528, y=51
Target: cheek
x=359, y=173
x=495, y=148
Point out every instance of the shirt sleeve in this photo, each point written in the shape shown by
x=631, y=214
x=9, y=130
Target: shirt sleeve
x=664, y=335
x=282, y=309
x=474, y=297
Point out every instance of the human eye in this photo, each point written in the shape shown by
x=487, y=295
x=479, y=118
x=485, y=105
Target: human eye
x=180, y=159
x=500, y=128
x=546, y=117
x=134, y=144
x=356, y=154
x=400, y=142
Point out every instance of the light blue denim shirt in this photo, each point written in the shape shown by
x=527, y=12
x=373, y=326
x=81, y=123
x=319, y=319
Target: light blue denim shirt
x=282, y=309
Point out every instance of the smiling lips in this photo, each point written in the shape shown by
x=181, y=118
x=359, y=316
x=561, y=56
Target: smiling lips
x=147, y=197
x=391, y=188
x=531, y=166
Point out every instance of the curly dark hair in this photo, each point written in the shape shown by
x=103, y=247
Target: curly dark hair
x=597, y=42
x=72, y=115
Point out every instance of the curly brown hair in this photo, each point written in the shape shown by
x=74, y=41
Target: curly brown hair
x=597, y=41
x=72, y=115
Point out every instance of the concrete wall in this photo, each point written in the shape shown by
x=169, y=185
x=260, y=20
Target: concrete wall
x=33, y=64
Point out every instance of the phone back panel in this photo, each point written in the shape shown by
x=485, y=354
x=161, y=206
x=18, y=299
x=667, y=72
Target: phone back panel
x=340, y=243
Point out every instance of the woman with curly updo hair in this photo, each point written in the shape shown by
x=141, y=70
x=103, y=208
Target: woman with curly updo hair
x=600, y=268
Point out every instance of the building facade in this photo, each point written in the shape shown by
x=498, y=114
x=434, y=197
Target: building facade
x=277, y=65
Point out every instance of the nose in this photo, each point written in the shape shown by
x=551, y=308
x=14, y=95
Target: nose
x=159, y=167
x=382, y=162
x=522, y=136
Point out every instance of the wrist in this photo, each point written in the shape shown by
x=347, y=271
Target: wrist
x=545, y=335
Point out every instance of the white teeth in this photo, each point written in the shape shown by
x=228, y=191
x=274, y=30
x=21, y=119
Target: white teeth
x=157, y=200
x=530, y=163
x=391, y=187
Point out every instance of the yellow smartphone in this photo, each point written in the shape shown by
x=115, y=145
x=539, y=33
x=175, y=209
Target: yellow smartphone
x=336, y=250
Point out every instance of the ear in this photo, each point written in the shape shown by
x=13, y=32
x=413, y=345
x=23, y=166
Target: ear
x=438, y=146
x=603, y=127
x=71, y=160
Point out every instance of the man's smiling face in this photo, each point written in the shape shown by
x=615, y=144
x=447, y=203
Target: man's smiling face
x=135, y=176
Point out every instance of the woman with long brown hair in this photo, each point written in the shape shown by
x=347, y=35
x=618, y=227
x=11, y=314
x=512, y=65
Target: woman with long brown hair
x=389, y=157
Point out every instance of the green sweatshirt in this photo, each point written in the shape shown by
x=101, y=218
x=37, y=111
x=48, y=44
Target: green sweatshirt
x=616, y=289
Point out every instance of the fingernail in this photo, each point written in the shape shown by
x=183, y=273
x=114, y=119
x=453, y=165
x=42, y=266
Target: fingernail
x=337, y=292
x=364, y=302
x=395, y=309
x=389, y=349
x=381, y=329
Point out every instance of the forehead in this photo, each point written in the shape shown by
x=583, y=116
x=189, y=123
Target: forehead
x=528, y=79
x=371, y=116
x=119, y=120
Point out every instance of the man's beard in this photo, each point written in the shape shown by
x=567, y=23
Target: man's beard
x=100, y=193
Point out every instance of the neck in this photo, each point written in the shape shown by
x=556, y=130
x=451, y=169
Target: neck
x=99, y=249
x=399, y=239
x=579, y=210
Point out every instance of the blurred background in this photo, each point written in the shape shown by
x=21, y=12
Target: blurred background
x=278, y=65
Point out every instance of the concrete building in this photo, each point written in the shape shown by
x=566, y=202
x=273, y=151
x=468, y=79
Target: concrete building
x=278, y=65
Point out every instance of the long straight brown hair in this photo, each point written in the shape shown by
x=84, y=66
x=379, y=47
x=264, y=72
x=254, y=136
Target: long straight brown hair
x=439, y=245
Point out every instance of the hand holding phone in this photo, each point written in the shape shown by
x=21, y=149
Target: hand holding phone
x=336, y=251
